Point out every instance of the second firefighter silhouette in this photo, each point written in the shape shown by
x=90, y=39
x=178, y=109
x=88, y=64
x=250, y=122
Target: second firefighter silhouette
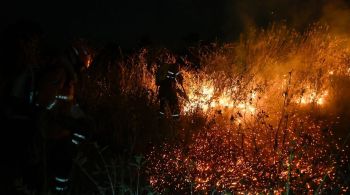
x=169, y=80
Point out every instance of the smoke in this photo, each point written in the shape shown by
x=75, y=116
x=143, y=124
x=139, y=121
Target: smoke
x=337, y=15
x=297, y=14
x=309, y=38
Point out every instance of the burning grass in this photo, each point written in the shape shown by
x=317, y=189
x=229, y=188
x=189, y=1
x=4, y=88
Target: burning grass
x=261, y=115
x=268, y=106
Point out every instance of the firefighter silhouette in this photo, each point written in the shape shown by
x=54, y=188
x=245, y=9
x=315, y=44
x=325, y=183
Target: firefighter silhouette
x=169, y=80
x=20, y=61
x=64, y=125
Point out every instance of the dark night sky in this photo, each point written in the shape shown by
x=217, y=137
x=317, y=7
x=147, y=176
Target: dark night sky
x=123, y=21
x=165, y=22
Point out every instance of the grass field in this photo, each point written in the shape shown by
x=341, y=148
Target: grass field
x=266, y=114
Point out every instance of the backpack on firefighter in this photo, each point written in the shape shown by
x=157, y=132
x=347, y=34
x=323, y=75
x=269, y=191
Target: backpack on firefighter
x=162, y=73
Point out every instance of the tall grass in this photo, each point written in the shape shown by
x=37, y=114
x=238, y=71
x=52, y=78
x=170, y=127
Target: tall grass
x=261, y=118
x=267, y=104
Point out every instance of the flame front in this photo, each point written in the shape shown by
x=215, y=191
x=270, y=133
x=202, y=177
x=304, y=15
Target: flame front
x=259, y=104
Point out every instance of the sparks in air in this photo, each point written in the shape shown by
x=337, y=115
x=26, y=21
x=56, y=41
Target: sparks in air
x=251, y=122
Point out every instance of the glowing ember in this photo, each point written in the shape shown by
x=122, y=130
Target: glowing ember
x=260, y=133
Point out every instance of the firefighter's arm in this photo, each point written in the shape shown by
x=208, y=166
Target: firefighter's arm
x=179, y=78
x=182, y=93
